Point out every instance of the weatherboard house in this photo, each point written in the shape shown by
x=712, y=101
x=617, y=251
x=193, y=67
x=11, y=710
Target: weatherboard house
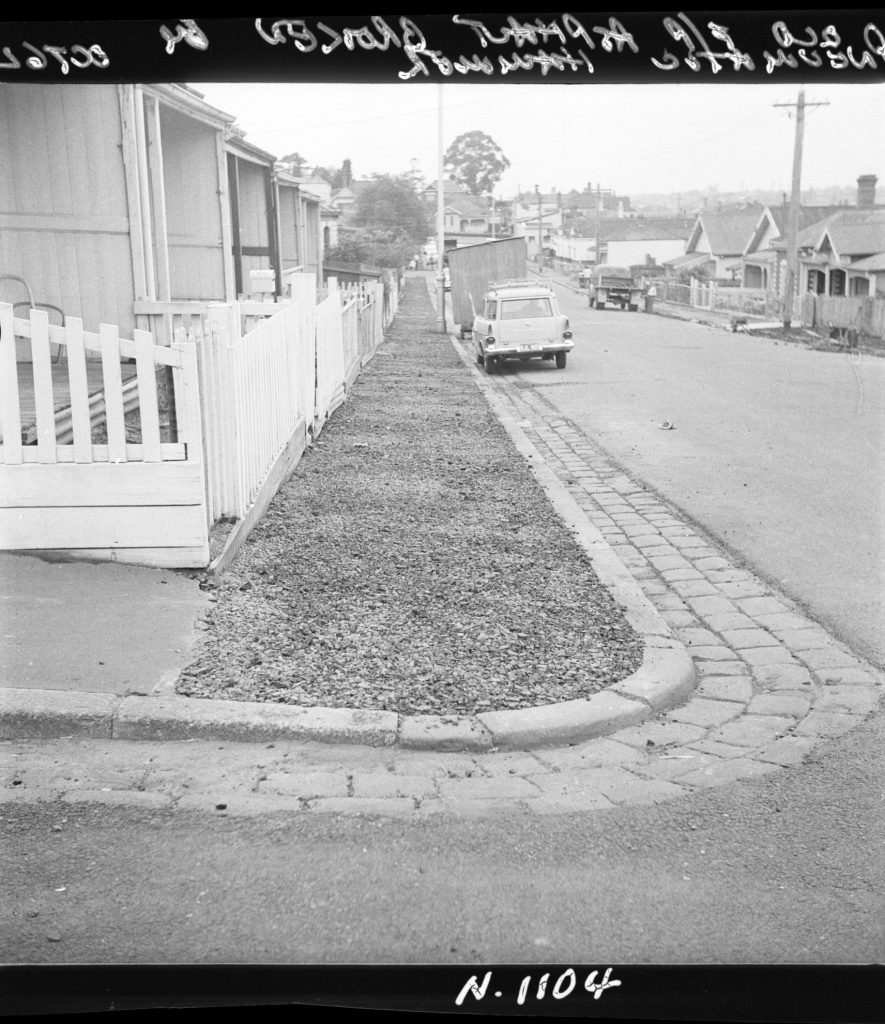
x=122, y=203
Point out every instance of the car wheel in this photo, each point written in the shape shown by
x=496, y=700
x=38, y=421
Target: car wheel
x=479, y=358
x=633, y=307
x=560, y=360
x=600, y=305
x=490, y=362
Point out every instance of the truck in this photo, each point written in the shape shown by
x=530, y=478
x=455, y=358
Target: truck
x=609, y=284
x=473, y=268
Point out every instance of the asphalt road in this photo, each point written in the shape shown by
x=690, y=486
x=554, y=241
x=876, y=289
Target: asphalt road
x=778, y=451
x=786, y=868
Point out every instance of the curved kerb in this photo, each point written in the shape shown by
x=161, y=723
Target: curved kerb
x=665, y=678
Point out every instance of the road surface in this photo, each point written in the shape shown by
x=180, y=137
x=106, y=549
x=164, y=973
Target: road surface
x=777, y=450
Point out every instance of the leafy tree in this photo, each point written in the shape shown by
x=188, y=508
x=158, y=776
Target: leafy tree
x=476, y=161
x=293, y=163
x=390, y=220
x=353, y=248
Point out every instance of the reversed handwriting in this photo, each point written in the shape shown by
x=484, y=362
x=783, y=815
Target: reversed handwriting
x=186, y=30
x=65, y=57
x=813, y=49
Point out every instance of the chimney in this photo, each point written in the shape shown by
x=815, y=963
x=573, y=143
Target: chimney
x=866, y=191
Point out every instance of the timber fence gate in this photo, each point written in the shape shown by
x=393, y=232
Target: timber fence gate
x=144, y=482
x=106, y=479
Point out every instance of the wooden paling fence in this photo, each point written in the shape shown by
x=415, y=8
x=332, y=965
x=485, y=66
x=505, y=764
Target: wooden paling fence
x=864, y=314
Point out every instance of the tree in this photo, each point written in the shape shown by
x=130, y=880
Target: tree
x=389, y=220
x=293, y=163
x=476, y=161
x=353, y=248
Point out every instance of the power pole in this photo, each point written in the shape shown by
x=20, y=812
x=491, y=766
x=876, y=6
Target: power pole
x=598, y=201
x=795, y=197
x=540, y=244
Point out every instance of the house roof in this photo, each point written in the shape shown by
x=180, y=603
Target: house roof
x=870, y=264
x=466, y=206
x=728, y=231
x=808, y=215
x=778, y=217
x=852, y=232
x=635, y=229
x=688, y=260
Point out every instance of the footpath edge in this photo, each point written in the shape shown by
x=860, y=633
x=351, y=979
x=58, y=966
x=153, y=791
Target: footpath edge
x=665, y=678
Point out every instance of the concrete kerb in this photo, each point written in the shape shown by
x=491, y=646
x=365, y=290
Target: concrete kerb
x=665, y=678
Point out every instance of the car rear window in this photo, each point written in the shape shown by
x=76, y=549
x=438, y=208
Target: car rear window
x=525, y=309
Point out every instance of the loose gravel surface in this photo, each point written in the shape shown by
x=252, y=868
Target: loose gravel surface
x=412, y=563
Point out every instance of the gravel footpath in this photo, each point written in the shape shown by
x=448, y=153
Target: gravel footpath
x=412, y=563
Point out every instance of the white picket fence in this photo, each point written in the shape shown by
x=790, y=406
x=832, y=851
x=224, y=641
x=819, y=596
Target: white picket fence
x=139, y=500
x=245, y=405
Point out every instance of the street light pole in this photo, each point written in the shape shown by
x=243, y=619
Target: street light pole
x=440, y=220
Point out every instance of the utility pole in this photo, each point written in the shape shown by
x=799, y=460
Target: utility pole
x=791, y=283
x=540, y=244
x=596, y=250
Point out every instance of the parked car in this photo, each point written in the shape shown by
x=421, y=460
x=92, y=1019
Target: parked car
x=520, y=320
x=609, y=284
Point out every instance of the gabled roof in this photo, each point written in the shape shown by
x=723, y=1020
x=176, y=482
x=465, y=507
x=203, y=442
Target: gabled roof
x=852, y=232
x=778, y=216
x=870, y=264
x=466, y=206
x=728, y=231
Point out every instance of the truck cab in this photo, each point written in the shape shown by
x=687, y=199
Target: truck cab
x=520, y=320
x=612, y=285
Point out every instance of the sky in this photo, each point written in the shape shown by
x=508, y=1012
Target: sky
x=631, y=138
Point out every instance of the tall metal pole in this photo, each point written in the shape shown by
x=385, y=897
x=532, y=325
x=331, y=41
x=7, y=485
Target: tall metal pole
x=440, y=220
x=540, y=243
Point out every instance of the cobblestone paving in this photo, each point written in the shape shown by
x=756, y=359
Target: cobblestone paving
x=772, y=684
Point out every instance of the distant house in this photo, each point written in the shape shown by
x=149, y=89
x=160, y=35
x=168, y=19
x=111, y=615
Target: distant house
x=344, y=199
x=840, y=247
x=584, y=203
x=624, y=241
x=763, y=264
x=718, y=240
x=843, y=254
